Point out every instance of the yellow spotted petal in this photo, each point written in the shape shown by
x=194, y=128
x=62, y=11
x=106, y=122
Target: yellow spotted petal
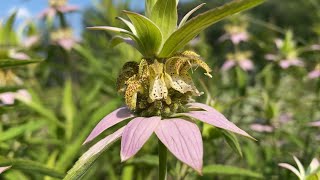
x=133, y=87
x=174, y=64
x=178, y=83
x=143, y=70
x=194, y=60
x=158, y=89
x=128, y=70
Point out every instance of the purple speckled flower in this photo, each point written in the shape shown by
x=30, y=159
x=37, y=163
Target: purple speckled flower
x=179, y=134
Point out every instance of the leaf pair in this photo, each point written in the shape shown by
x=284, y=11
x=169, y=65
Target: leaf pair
x=157, y=35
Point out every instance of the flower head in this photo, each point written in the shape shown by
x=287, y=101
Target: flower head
x=241, y=59
x=64, y=38
x=315, y=73
x=287, y=54
x=236, y=32
x=57, y=6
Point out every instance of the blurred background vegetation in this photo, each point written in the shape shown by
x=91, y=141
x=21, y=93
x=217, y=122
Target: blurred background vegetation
x=272, y=91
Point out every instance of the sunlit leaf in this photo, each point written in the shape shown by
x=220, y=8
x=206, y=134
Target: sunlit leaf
x=164, y=14
x=148, y=6
x=192, y=28
x=232, y=141
x=148, y=33
x=68, y=108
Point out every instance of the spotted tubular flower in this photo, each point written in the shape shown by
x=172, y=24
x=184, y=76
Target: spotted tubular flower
x=158, y=88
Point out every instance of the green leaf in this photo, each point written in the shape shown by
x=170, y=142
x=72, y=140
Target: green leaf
x=7, y=35
x=148, y=6
x=30, y=166
x=124, y=32
x=186, y=17
x=118, y=40
x=68, y=108
x=4, y=63
x=20, y=130
x=164, y=14
x=88, y=158
x=193, y=27
x=129, y=24
x=148, y=33
x=232, y=141
x=229, y=170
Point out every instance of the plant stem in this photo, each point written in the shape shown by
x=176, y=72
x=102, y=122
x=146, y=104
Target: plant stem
x=162, y=161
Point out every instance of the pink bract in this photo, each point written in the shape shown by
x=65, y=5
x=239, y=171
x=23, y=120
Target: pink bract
x=180, y=135
x=314, y=74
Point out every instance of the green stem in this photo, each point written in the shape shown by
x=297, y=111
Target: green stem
x=162, y=161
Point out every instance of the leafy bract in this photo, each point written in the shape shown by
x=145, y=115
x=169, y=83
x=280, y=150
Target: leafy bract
x=148, y=33
x=164, y=14
x=192, y=28
x=230, y=170
x=148, y=6
x=186, y=17
x=4, y=63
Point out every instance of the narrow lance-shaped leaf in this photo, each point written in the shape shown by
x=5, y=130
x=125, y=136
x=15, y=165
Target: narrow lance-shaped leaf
x=68, y=109
x=148, y=33
x=129, y=24
x=164, y=14
x=186, y=17
x=192, y=28
x=122, y=31
x=5, y=63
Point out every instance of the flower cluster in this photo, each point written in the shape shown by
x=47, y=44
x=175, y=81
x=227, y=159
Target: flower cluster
x=160, y=87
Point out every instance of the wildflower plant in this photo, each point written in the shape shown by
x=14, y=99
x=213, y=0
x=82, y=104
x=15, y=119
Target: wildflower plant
x=158, y=89
x=311, y=173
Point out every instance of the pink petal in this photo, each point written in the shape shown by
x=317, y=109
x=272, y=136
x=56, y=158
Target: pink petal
x=183, y=139
x=102, y=144
x=7, y=98
x=110, y=120
x=23, y=95
x=315, y=124
x=19, y=56
x=271, y=57
x=227, y=65
x=314, y=74
x=2, y=169
x=279, y=43
x=284, y=64
x=213, y=117
x=30, y=41
x=261, y=128
x=246, y=64
x=67, y=44
x=136, y=134
x=238, y=37
x=68, y=8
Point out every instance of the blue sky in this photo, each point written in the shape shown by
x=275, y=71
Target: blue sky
x=31, y=8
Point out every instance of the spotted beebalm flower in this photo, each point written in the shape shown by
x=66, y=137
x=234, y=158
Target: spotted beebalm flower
x=64, y=38
x=287, y=54
x=315, y=73
x=158, y=89
x=312, y=172
x=241, y=59
x=236, y=33
x=3, y=169
x=56, y=6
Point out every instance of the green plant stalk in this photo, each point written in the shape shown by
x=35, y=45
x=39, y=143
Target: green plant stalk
x=162, y=161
